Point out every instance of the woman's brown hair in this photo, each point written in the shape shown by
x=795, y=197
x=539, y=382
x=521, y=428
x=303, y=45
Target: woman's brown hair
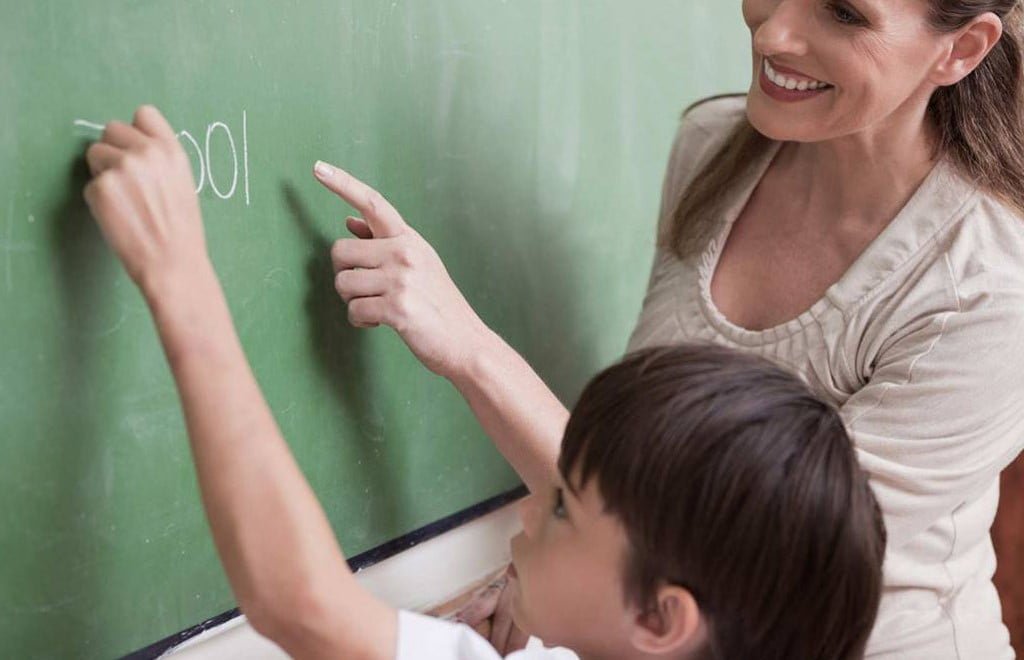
x=734, y=481
x=980, y=122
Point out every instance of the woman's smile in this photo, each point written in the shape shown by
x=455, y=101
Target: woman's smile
x=785, y=86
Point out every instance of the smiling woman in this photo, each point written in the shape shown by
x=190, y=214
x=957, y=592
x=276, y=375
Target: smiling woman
x=869, y=236
x=882, y=65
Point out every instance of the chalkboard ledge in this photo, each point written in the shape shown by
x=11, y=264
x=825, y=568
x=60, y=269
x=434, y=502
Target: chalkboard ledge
x=414, y=572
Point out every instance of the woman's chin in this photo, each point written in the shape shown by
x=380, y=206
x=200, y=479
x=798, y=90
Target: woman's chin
x=765, y=122
x=775, y=123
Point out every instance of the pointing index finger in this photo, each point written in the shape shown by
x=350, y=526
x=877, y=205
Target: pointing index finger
x=382, y=218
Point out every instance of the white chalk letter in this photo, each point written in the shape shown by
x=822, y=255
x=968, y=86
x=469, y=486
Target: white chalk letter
x=199, y=153
x=245, y=153
x=234, y=155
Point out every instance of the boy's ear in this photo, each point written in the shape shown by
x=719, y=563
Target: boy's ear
x=675, y=625
x=967, y=50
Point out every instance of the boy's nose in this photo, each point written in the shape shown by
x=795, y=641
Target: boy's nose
x=528, y=514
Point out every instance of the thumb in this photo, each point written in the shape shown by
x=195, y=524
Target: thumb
x=382, y=218
x=358, y=227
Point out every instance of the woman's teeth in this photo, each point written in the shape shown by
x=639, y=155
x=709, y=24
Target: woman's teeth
x=791, y=83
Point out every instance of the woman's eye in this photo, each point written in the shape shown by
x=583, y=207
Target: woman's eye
x=558, y=510
x=844, y=14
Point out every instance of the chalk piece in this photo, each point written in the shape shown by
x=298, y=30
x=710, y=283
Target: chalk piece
x=88, y=128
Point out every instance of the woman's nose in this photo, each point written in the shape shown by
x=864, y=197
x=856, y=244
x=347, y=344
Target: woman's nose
x=528, y=514
x=783, y=28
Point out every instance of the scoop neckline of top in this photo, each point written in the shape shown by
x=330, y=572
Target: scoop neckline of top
x=903, y=236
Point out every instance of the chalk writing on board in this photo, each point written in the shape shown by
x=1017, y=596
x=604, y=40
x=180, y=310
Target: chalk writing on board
x=81, y=123
x=199, y=154
x=203, y=155
x=234, y=159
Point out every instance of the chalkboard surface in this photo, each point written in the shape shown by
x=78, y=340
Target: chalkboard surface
x=526, y=140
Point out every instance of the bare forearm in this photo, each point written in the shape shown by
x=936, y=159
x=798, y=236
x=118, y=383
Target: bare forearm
x=273, y=538
x=515, y=408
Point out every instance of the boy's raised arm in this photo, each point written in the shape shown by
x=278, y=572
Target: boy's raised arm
x=277, y=547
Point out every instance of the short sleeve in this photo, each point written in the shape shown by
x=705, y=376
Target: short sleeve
x=942, y=413
x=422, y=637
x=700, y=134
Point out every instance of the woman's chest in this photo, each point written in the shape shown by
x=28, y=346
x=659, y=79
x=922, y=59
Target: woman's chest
x=777, y=262
x=821, y=346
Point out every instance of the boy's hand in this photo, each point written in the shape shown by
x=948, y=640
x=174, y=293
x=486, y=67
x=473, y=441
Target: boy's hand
x=391, y=275
x=143, y=197
x=490, y=614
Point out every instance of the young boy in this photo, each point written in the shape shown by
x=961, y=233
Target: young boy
x=704, y=504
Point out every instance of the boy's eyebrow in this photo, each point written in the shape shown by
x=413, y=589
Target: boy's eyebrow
x=566, y=484
x=569, y=494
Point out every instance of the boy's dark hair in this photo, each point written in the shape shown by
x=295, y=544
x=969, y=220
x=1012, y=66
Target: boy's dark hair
x=734, y=481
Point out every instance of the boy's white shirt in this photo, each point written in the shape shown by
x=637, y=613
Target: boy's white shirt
x=426, y=638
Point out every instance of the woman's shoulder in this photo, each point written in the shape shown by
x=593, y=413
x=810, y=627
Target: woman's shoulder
x=703, y=129
x=715, y=113
x=709, y=121
x=970, y=271
x=985, y=248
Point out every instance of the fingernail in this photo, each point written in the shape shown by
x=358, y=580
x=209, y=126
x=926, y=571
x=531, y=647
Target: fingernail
x=323, y=170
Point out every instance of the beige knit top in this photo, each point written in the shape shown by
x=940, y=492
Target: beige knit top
x=921, y=346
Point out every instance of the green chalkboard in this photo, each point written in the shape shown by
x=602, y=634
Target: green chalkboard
x=525, y=139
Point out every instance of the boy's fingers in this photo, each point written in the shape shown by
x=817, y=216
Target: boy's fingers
x=481, y=606
x=106, y=201
x=501, y=630
x=101, y=157
x=357, y=253
x=150, y=121
x=360, y=283
x=483, y=628
x=122, y=135
x=517, y=639
x=97, y=193
x=381, y=217
x=367, y=312
x=358, y=227
x=89, y=193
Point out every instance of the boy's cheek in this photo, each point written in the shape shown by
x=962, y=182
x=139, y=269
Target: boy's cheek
x=519, y=609
x=515, y=548
x=528, y=583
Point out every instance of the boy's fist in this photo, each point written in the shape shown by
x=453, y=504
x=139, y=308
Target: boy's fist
x=143, y=197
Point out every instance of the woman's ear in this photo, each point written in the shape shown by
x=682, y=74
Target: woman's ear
x=968, y=49
x=674, y=626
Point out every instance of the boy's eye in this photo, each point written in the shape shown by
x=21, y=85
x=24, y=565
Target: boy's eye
x=844, y=14
x=558, y=510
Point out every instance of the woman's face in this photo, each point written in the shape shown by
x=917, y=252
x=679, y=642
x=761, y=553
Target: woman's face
x=875, y=55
